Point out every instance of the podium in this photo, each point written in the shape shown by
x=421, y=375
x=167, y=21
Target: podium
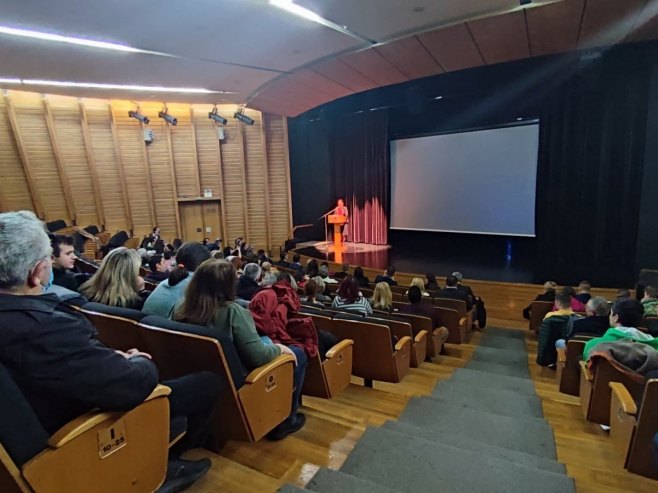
x=337, y=221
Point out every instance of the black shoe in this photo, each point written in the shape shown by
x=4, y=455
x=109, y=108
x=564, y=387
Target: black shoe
x=288, y=427
x=182, y=473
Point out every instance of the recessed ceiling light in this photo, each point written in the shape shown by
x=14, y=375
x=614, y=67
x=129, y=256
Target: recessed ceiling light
x=58, y=38
x=293, y=8
x=118, y=87
x=439, y=97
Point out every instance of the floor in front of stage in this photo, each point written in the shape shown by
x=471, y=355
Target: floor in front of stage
x=493, y=266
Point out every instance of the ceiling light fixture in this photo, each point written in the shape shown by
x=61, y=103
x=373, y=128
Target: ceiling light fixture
x=239, y=115
x=137, y=116
x=58, y=38
x=118, y=87
x=305, y=13
x=164, y=114
x=213, y=115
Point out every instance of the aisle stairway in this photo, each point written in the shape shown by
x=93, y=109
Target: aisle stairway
x=481, y=430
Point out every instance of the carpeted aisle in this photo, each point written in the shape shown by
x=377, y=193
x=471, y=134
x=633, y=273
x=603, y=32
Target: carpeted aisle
x=482, y=430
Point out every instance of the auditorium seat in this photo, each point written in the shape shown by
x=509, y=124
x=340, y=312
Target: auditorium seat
x=568, y=368
x=419, y=323
x=250, y=405
x=456, y=325
x=595, y=392
x=402, y=328
x=374, y=357
x=632, y=430
x=132, y=243
x=460, y=307
x=110, y=450
x=538, y=309
x=86, y=266
x=116, y=326
x=55, y=226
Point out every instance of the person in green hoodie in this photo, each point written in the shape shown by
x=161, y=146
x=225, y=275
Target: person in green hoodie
x=625, y=315
x=650, y=301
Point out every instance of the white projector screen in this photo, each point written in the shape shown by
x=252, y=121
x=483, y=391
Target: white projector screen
x=480, y=182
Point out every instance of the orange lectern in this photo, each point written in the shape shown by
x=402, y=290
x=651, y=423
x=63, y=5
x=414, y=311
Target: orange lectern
x=337, y=222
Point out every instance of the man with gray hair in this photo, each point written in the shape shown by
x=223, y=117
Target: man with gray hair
x=248, y=285
x=54, y=357
x=480, y=310
x=596, y=323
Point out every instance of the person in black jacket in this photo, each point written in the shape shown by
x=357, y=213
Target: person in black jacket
x=63, y=370
x=64, y=258
x=387, y=277
x=550, y=288
x=248, y=285
x=596, y=323
x=361, y=279
x=452, y=291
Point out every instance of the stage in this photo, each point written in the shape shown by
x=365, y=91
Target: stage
x=492, y=266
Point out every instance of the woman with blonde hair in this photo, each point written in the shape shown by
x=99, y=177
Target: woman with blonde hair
x=418, y=281
x=382, y=297
x=117, y=281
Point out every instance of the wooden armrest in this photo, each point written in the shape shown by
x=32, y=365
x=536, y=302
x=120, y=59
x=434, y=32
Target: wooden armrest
x=585, y=370
x=261, y=371
x=462, y=321
x=341, y=346
x=627, y=402
x=87, y=421
x=402, y=342
x=561, y=354
x=422, y=334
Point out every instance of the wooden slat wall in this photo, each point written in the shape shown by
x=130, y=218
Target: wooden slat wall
x=279, y=178
x=68, y=134
x=93, y=145
x=33, y=132
x=14, y=190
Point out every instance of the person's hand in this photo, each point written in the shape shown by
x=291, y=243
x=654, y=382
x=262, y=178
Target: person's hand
x=140, y=284
x=133, y=353
x=287, y=350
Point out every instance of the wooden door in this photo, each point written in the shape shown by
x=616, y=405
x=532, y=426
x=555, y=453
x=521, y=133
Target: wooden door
x=212, y=221
x=191, y=219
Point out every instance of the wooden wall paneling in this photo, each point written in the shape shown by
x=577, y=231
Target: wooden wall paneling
x=606, y=22
x=243, y=170
x=197, y=171
x=501, y=38
x=256, y=179
x=554, y=28
x=338, y=71
x=453, y=47
x=14, y=189
x=130, y=140
x=172, y=172
x=104, y=146
x=91, y=160
x=160, y=181
x=183, y=151
x=209, y=156
x=280, y=211
x=26, y=114
x=410, y=57
x=61, y=171
x=374, y=66
x=234, y=197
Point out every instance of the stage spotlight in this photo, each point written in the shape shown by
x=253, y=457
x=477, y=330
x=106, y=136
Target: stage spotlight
x=239, y=115
x=168, y=118
x=213, y=115
x=137, y=116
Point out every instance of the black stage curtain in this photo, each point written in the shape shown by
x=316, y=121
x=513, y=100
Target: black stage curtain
x=358, y=148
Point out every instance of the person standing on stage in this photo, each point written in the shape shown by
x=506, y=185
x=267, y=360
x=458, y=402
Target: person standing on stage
x=341, y=210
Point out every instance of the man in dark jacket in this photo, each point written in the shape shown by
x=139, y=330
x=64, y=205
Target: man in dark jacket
x=248, y=284
x=63, y=370
x=554, y=327
x=387, y=277
x=452, y=291
x=64, y=258
x=417, y=307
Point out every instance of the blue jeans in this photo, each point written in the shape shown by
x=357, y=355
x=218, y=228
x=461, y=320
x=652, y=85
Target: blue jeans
x=298, y=378
x=560, y=344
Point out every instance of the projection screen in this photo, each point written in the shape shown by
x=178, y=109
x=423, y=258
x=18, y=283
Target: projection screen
x=480, y=182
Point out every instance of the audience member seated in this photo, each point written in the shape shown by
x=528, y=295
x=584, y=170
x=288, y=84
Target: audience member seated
x=554, y=327
x=583, y=293
x=387, y=277
x=650, y=301
x=344, y=271
x=626, y=315
x=63, y=370
x=312, y=269
x=420, y=283
x=417, y=307
x=324, y=274
x=268, y=277
x=248, y=283
x=382, y=297
x=159, y=267
x=311, y=290
x=163, y=299
x=283, y=260
x=210, y=301
x=576, y=304
x=237, y=264
x=478, y=303
x=452, y=291
x=262, y=257
x=431, y=283
x=117, y=281
x=350, y=298
x=361, y=279
x=623, y=293
x=321, y=290
x=550, y=289
x=595, y=323
x=295, y=263
x=64, y=258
